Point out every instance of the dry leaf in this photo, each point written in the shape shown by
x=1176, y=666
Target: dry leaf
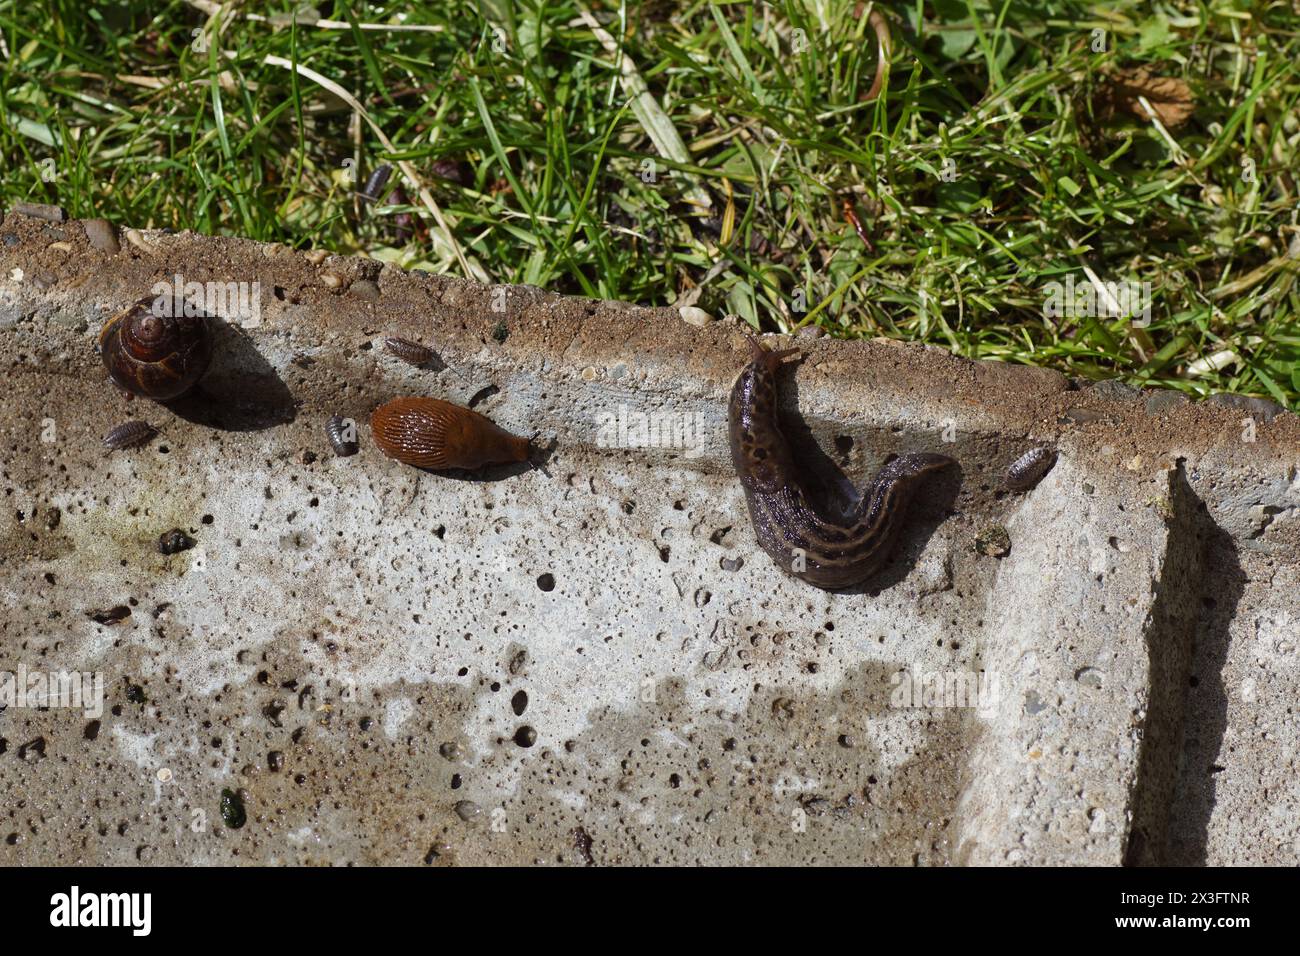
x=1170, y=97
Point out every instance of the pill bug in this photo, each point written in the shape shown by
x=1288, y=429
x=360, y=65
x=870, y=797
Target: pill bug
x=412, y=353
x=1029, y=469
x=128, y=435
x=437, y=435
x=374, y=187
x=342, y=434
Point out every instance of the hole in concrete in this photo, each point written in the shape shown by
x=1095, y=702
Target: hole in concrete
x=843, y=445
x=519, y=703
x=525, y=736
x=664, y=552
x=546, y=581
x=440, y=531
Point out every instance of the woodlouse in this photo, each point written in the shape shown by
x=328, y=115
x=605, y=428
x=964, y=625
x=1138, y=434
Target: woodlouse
x=374, y=187
x=342, y=434
x=129, y=435
x=412, y=353
x=1029, y=469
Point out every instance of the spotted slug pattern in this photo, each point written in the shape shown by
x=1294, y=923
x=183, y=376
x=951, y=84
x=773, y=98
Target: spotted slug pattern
x=829, y=552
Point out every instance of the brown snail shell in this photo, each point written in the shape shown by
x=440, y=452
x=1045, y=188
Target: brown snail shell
x=156, y=355
x=430, y=433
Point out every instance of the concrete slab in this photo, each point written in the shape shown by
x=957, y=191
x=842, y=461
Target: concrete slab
x=593, y=663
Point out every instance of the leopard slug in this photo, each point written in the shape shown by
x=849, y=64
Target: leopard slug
x=829, y=551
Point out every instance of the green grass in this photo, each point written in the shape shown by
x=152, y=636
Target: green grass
x=567, y=186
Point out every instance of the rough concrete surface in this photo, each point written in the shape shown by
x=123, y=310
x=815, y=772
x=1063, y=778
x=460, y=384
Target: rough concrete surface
x=591, y=661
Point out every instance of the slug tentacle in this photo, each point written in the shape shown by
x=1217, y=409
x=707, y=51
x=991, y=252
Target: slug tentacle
x=813, y=545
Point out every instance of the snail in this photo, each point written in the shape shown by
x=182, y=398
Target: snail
x=342, y=434
x=412, y=353
x=1029, y=469
x=437, y=435
x=820, y=547
x=128, y=435
x=159, y=356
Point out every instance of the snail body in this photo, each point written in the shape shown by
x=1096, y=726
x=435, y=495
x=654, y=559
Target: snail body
x=437, y=435
x=850, y=541
x=157, y=356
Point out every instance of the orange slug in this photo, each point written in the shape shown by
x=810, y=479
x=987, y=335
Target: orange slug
x=437, y=435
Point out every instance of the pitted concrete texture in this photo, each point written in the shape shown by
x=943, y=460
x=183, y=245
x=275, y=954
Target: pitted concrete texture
x=592, y=662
